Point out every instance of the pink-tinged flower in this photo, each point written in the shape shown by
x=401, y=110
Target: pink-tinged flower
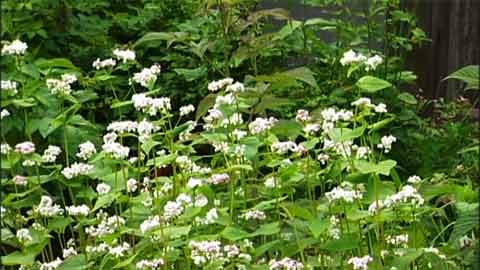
x=25, y=148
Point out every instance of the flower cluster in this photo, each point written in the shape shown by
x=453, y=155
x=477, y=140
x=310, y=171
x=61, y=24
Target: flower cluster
x=124, y=55
x=351, y=57
x=77, y=169
x=99, y=64
x=25, y=148
x=147, y=76
x=151, y=105
x=9, y=86
x=46, y=208
x=63, y=85
x=344, y=193
x=285, y=264
x=50, y=154
x=360, y=263
x=407, y=194
x=16, y=47
x=87, y=150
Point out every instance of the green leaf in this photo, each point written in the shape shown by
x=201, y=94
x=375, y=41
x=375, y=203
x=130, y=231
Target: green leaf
x=76, y=262
x=205, y=104
x=234, y=234
x=407, y=98
x=372, y=84
x=318, y=226
x=303, y=74
x=155, y=37
x=382, y=167
x=467, y=221
x=55, y=63
x=17, y=258
x=104, y=200
x=345, y=134
x=469, y=75
x=192, y=74
x=267, y=229
x=347, y=242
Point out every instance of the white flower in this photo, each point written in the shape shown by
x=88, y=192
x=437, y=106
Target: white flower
x=302, y=116
x=270, y=182
x=131, y=185
x=414, y=179
x=323, y=158
x=69, y=252
x=117, y=150
x=120, y=250
x=4, y=113
x=362, y=152
x=150, y=223
x=254, y=214
x=5, y=148
x=87, y=150
x=184, y=110
x=81, y=210
x=311, y=128
x=397, y=240
x=360, y=263
x=345, y=193
x=151, y=105
x=15, y=47
x=145, y=130
x=122, y=126
x=25, y=148
x=77, y=169
x=465, y=241
x=218, y=178
x=235, y=88
x=172, y=210
x=201, y=200
x=51, y=265
x=108, y=225
x=20, y=180
x=364, y=101
x=10, y=86
x=46, y=208
x=147, y=75
x=62, y=86
x=218, y=85
x=124, y=55
x=380, y=108
x=386, y=143
x=50, y=154
x=333, y=229
x=238, y=134
x=194, y=182
x=285, y=263
x=228, y=99
x=372, y=62
x=24, y=235
x=103, y=188
x=98, y=64
x=210, y=217
x=150, y=264
x=284, y=147
x=350, y=57
x=260, y=125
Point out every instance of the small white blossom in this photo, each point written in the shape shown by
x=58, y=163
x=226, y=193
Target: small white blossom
x=16, y=47
x=80, y=210
x=99, y=64
x=77, y=169
x=360, y=263
x=50, y=154
x=184, y=110
x=386, y=143
x=124, y=55
x=87, y=150
x=23, y=235
x=25, y=148
x=51, y=265
x=218, y=85
x=103, y=188
x=372, y=62
x=4, y=113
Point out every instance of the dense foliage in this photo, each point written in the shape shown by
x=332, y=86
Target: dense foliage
x=217, y=135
